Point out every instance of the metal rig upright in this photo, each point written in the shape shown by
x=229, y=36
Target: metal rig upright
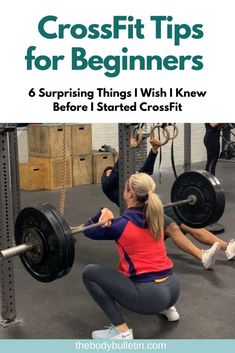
x=10, y=205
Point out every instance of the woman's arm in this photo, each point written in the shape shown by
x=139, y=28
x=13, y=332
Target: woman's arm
x=148, y=166
x=111, y=232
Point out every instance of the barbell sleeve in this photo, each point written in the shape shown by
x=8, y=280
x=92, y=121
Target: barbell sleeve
x=16, y=250
x=191, y=200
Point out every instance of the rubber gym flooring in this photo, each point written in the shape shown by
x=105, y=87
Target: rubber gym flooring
x=63, y=309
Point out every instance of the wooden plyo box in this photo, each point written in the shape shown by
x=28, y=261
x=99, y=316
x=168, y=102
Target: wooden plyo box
x=53, y=168
x=100, y=161
x=31, y=176
x=47, y=140
x=81, y=139
x=82, y=170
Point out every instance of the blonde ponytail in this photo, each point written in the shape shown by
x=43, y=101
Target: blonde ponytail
x=143, y=186
x=154, y=214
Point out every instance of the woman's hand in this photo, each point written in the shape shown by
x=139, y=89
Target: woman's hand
x=106, y=215
x=156, y=143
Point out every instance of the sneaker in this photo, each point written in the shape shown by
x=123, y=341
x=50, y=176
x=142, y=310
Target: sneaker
x=230, y=251
x=111, y=333
x=209, y=256
x=171, y=314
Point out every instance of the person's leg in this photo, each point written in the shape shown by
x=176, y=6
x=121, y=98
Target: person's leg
x=207, y=257
x=172, y=226
x=204, y=236
x=95, y=277
x=102, y=282
x=211, y=162
x=208, y=156
x=212, y=144
x=214, y=159
x=182, y=242
x=208, y=238
x=109, y=287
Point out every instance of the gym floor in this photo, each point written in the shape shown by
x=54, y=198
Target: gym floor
x=64, y=309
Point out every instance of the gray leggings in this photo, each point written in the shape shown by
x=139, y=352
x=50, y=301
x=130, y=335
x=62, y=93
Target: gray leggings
x=109, y=287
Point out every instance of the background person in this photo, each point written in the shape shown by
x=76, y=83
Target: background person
x=212, y=144
x=172, y=225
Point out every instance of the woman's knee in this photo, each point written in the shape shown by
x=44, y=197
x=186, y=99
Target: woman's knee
x=90, y=271
x=172, y=229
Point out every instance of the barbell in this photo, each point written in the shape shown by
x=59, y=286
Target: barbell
x=45, y=241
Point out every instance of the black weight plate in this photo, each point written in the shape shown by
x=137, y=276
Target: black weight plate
x=215, y=228
x=210, y=198
x=59, y=231
x=42, y=220
x=219, y=204
x=70, y=248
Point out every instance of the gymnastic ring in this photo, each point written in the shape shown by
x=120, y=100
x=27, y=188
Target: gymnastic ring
x=136, y=142
x=175, y=131
x=166, y=134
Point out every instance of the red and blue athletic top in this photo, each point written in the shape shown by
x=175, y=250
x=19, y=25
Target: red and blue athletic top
x=142, y=258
